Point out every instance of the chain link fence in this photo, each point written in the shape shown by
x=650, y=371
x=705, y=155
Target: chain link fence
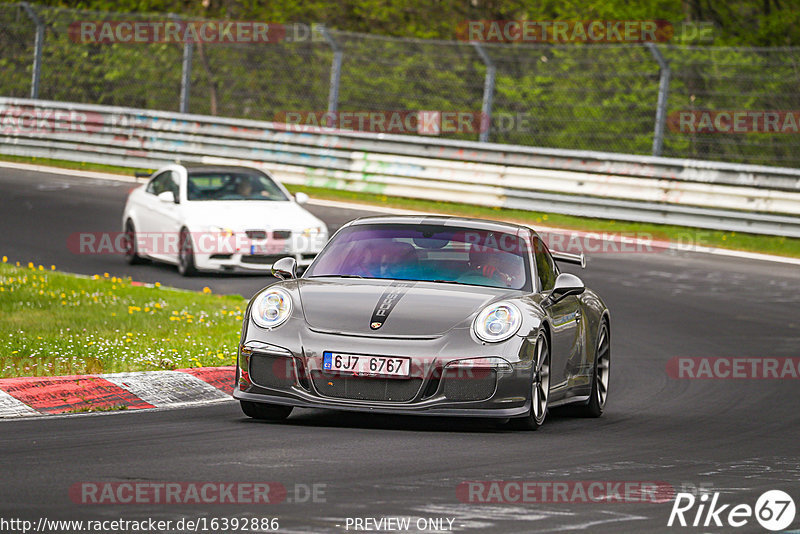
x=602, y=97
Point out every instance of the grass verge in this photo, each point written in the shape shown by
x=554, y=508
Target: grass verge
x=781, y=246
x=53, y=324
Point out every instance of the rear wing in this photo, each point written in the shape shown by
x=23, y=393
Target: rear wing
x=142, y=174
x=567, y=257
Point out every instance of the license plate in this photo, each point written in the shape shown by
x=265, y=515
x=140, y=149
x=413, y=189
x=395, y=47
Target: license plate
x=366, y=365
x=268, y=248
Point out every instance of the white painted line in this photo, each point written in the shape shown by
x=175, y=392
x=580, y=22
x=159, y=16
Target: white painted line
x=399, y=211
x=368, y=207
x=166, y=388
x=68, y=172
x=11, y=407
x=621, y=237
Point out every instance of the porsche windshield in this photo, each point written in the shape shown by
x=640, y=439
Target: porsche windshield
x=232, y=185
x=432, y=253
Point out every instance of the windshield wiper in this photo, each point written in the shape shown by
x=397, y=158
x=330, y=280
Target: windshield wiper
x=445, y=282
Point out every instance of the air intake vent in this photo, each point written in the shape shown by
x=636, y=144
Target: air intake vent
x=366, y=388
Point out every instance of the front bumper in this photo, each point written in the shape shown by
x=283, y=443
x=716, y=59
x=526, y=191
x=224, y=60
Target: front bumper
x=445, y=378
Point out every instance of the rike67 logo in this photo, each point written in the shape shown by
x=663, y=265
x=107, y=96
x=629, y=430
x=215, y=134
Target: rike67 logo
x=774, y=510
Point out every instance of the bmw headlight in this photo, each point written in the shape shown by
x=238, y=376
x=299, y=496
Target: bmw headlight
x=272, y=308
x=497, y=322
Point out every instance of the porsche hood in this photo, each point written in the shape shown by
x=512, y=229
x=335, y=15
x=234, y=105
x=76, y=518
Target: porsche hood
x=390, y=307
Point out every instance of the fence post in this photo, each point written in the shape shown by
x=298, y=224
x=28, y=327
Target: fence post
x=336, y=71
x=37, y=49
x=186, y=71
x=663, y=94
x=488, y=92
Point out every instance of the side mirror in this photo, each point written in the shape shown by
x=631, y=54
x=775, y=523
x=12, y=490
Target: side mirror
x=285, y=268
x=167, y=197
x=301, y=198
x=566, y=284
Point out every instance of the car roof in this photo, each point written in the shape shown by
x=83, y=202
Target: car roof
x=445, y=220
x=200, y=168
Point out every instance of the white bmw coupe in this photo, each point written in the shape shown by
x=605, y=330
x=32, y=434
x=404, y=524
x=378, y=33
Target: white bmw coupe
x=219, y=218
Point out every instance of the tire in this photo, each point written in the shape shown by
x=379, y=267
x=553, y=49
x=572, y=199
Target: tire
x=540, y=388
x=601, y=374
x=265, y=412
x=186, y=266
x=131, y=254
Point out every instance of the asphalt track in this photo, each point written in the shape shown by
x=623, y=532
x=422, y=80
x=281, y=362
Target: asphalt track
x=737, y=437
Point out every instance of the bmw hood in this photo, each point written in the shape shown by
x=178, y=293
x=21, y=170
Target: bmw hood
x=246, y=215
x=388, y=308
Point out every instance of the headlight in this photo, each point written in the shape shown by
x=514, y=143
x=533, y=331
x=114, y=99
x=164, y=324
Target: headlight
x=224, y=232
x=272, y=308
x=497, y=322
x=313, y=231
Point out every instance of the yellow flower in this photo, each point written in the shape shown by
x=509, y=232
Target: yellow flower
x=52, y=267
x=30, y=265
x=158, y=284
x=96, y=277
x=5, y=259
x=105, y=275
x=206, y=289
x=17, y=264
x=41, y=267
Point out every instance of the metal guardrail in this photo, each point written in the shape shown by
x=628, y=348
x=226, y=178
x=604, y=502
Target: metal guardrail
x=723, y=196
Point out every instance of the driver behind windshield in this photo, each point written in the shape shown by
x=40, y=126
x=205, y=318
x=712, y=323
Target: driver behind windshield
x=245, y=188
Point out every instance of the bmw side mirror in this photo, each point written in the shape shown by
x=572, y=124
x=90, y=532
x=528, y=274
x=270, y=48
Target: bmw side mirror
x=285, y=268
x=566, y=284
x=167, y=197
x=301, y=198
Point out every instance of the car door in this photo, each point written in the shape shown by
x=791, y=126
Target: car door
x=161, y=220
x=565, y=320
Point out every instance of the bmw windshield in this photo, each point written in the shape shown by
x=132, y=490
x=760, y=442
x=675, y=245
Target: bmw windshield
x=232, y=185
x=433, y=253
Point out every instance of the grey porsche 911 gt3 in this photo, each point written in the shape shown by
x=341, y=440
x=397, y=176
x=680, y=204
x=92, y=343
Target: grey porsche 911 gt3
x=427, y=315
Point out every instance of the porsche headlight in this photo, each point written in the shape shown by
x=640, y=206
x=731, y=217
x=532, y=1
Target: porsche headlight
x=272, y=308
x=497, y=322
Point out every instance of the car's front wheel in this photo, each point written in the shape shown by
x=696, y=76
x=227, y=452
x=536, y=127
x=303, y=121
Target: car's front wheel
x=186, y=254
x=266, y=412
x=540, y=388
